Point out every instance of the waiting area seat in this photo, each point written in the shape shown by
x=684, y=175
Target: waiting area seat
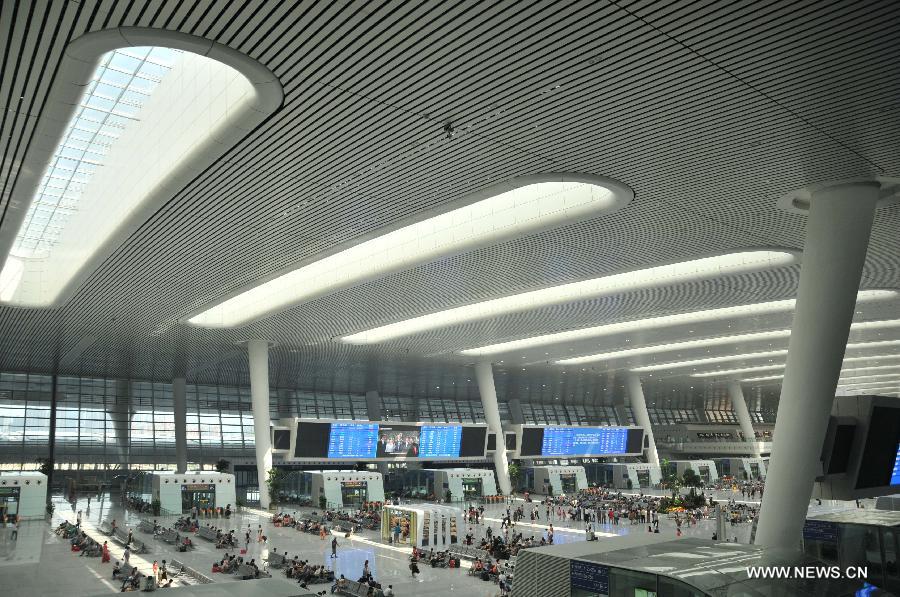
x=358, y=589
x=207, y=533
x=137, y=545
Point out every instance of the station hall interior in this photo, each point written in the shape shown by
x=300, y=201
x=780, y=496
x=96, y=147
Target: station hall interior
x=419, y=298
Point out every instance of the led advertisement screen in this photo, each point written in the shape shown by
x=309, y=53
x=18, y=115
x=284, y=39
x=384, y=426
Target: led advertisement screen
x=397, y=440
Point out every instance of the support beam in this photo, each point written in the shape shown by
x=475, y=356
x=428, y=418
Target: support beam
x=641, y=416
x=51, y=451
x=258, y=351
x=179, y=397
x=484, y=375
x=739, y=406
x=837, y=237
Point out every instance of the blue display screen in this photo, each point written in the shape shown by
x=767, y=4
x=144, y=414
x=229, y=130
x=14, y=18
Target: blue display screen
x=584, y=441
x=353, y=440
x=895, y=476
x=440, y=441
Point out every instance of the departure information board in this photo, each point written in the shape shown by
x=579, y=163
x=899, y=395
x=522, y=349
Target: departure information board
x=440, y=441
x=895, y=475
x=353, y=440
x=586, y=441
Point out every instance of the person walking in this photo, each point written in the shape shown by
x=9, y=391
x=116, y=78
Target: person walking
x=334, y=546
x=127, y=555
x=78, y=520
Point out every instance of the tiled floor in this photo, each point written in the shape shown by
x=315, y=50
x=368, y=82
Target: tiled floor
x=39, y=563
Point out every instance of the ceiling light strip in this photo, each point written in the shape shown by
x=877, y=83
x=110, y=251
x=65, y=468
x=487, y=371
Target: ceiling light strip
x=510, y=210
x=654, y=277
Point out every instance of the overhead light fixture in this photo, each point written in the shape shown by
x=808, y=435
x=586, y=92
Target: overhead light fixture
x=137, y=134
x=731, y=372
x=758, y=355
x=865, y=377
x=766, y=378
x=663, y=275
x=516, y=208
x=708, y=315
x=844, y=372
x=645, y=324
x=710, y=361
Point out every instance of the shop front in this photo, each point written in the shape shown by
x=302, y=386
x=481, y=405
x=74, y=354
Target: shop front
x=199, y=495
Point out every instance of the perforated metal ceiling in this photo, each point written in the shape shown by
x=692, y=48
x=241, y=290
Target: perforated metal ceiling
x=708, y=110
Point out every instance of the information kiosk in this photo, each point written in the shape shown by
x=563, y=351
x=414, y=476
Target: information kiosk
x=179, y=492
x=423, y=525
x=705, y=469
x=742, y=469
x=624, y=475
x=22, y=495
x=346, y=489
x=555, y=480
x=464, y=484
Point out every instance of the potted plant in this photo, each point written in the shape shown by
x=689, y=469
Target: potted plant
x=322, y=502
x=156, y=506
x=222, y=465
x=448, y=496
x=275, y=483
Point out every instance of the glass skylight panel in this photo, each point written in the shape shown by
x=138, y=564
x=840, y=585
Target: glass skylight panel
x=708, y=315
x=110, y=101
x=697, y=269
x=510, y=214
x=148, y=120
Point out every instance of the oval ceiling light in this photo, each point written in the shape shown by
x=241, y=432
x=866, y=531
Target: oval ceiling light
x=757, y=355
x=133, y=116
x=512, y=209
x=846, y=373
x=663, y=275
x=720, y=314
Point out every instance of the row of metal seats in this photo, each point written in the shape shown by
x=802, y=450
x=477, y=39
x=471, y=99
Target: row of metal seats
x=137, y=546
x=207, y=533
x=358, y=589
x=467, y=551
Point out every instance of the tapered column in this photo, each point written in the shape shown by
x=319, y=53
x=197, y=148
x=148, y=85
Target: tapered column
x=641, y=416
x=739, y=406
x=258, y=351
x=837, y=236
x=484, y=375
x=179, y=397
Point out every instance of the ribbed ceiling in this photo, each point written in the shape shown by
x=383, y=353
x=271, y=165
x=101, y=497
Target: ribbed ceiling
x=710, y=111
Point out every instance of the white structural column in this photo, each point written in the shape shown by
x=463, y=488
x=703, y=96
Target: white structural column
x=259, y=395
x=179, y=398
x=641, y=416
x=484, y=375
x=837, y=236
x=739, y=406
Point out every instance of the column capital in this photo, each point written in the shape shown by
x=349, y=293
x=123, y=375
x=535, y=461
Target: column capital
x=799, y=200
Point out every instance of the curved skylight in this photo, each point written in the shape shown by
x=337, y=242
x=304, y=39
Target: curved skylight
x=663, y=275
x=720, y=314
x=147, y=120
x=507, y=212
